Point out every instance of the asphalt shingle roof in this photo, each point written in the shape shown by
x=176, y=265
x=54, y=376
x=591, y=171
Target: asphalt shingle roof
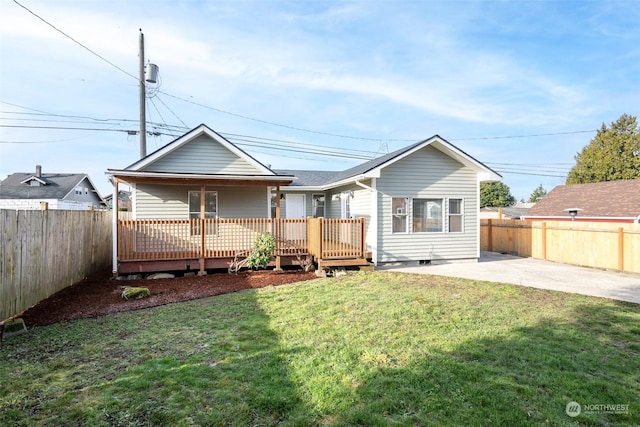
x=598, y=199
x=318, y=178
x=58, y=185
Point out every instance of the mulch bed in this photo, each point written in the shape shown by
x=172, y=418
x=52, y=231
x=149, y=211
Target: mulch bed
x=100, y=294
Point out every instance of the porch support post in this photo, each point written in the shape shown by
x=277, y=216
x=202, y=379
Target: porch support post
x=278, y=231
x=202, y=272
x=114, y=229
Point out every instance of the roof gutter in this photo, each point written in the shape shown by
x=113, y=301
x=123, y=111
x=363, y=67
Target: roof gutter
x=358, y=183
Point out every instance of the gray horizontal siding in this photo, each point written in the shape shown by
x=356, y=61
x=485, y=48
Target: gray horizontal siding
x=171, y=202
x=203, y=155
x=428, y=173
x=360, y=203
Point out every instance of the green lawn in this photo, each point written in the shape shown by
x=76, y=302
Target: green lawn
x=371, y=349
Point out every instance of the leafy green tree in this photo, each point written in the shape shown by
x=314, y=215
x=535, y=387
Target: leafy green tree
x=614, y=153
x=537, y=194
x=495, y=194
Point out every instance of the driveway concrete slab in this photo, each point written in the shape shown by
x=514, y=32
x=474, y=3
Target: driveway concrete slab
x=494, y=267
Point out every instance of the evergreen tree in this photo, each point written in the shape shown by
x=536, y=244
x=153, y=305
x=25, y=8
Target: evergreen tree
x=495, y=194
x=537, y=194
x=614, y=153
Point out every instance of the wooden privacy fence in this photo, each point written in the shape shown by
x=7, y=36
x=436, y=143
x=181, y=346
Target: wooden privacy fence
x=45, y=251
x=614, y=246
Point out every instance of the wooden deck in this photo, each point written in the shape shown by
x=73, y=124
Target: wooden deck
x=176, y=244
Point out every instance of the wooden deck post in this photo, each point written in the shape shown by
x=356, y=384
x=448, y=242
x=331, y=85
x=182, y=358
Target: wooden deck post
x=278, y=231
x=362, y=238
x=202, y=272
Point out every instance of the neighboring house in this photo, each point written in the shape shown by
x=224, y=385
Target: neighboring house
x=610, y=201
x=124, y=200
x=419, y=203
x=67, y=191
x=510, y=212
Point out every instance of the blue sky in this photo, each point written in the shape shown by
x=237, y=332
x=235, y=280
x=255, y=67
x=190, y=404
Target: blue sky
x=519, y=85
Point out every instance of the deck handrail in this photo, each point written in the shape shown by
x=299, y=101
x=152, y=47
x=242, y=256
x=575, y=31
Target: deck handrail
x=166, y=239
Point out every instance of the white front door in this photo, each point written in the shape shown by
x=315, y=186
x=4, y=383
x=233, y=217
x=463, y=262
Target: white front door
x=294, y=206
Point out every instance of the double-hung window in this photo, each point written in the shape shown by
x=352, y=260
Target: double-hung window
x=210, y=209
x=455, y=216
x=317, y=204
x=399, y=215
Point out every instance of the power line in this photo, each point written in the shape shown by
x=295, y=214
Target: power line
x=284, y=126
x=289, y=126
x=533, y=174
x=74, y=40
x=174, y=114
x=523, y=136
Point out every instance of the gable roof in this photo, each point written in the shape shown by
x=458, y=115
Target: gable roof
x=371, y=168
x=190, y=136
x=57, y=185
x=610, y=199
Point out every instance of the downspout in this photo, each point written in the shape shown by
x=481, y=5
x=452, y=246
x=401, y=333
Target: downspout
x=373, y=221
x=637, y=220
x=114, y=229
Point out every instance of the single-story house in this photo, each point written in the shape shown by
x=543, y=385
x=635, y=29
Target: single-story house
x=32, y=191
x=509, y=212
x=416, y=204
x=609, y=201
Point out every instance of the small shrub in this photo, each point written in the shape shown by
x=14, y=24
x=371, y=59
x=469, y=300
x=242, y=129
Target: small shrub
x=262, y=252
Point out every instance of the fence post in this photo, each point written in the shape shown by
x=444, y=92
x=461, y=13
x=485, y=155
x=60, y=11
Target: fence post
x=621, y=249
x=363, y=244
x=489, y=236
x=544, y=240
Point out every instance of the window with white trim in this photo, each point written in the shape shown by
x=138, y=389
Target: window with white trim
x=399, y=215
x=317, y=205
x=456, y=217
x=427, y=216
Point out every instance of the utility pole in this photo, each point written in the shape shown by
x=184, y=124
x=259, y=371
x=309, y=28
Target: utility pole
x=143, y=113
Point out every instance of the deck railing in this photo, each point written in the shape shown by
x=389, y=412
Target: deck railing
x=165, y=239
x=336, y=238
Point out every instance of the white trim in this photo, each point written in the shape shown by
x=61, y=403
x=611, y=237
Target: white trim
x=114, y=229
x=269, y=191
x=447, y=149
x=324, y=206
x=134, y=202
x=449, y=214
x=135, y=174
x=31, y=178
x=478, y=220
x=374, y=222
x=190, y=136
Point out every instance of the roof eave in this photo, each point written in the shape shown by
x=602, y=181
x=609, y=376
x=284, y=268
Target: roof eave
x=123, y=173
